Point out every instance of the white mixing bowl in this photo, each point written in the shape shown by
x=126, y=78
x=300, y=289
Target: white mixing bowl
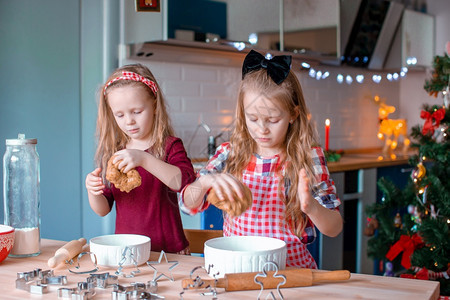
x=236, y=254
x=109, y=249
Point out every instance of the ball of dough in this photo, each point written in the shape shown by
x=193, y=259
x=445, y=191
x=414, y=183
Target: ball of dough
x=125, y=182
x=233, y=208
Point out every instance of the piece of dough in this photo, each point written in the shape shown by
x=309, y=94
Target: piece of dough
x=233, y=208
x=125, y=182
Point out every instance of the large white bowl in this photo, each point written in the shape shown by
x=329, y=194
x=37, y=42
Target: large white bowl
x=236, y=254
x=109, y=249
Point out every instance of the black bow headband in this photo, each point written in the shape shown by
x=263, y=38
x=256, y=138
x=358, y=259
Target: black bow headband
x=277, y=68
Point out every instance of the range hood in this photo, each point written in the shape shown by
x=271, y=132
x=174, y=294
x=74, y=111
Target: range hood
x=367, y=30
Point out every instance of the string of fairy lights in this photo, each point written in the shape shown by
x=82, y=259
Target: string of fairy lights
x=377, y=77
x=349, y=79
x=324, y=73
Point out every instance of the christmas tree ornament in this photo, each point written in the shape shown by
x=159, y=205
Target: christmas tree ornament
x=406, y=244
x=419, y=172
x=371, y=226
x=433, y=213
x=432, y=120
x=420, y=274
x=423, y=192
x=389, y=269
x=446, y=96
x=441, y=134
x=415, y=216
x=398, y=221
x=424, y=197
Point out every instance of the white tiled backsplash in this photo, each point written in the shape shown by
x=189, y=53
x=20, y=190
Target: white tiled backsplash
x=203, y=93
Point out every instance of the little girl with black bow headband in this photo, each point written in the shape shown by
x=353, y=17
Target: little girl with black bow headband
x=274, y=151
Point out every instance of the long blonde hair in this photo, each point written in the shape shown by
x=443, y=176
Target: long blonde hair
x=110, y=137
x=301, y=137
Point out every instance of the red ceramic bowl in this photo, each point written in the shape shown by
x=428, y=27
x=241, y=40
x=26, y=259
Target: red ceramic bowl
x=6, y=241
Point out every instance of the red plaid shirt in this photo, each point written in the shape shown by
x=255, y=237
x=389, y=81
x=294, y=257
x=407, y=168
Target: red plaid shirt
x=266, y=217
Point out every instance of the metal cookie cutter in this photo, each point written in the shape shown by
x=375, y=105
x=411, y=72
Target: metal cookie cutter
x=77, y=266
x=55, y=280
x=122, y=262
x=36, y=281
x=275, y=275
x=136, y=290
x=83, y=291
x=35, y=274
x=104, y=280
x=198, y=283
x=156, y=277
x=31, y=286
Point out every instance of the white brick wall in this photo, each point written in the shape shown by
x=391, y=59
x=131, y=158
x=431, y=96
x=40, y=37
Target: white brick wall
x=202, y=93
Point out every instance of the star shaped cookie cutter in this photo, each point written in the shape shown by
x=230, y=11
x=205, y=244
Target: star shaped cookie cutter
x=275, y=275
x=155, y=275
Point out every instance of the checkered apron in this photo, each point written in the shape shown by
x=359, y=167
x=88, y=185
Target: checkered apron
x=266, y=216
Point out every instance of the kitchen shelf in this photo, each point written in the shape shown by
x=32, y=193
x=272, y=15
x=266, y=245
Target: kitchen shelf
x=214, y=53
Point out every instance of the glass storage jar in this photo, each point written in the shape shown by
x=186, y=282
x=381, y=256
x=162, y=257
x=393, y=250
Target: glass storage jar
x=21, y=194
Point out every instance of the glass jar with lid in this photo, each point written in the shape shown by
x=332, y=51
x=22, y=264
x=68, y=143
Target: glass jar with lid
x=21, y=194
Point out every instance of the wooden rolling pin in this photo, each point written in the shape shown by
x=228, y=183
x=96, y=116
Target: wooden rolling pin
x=294, y=278
x=66, y=252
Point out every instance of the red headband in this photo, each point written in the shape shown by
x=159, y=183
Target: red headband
x=135, y=77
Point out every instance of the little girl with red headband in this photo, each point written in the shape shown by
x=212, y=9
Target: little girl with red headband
x=134, y=128
x=274, y=151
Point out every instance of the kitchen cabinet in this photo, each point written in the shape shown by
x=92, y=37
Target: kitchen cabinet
x=316, y=31
x=356, y=189
x=219, y=24
x=413, y=44
x=138, y=27
x=320, y=32
x=356, y=178
x=184, y=21
x=212, y=218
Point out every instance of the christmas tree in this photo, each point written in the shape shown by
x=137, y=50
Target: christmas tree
x=410, y=226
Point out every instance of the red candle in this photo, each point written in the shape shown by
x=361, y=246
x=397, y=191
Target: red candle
x=327, y=134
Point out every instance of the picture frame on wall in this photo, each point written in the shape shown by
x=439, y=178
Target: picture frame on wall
x=148, y=5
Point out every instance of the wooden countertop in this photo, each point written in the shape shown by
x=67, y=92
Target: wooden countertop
x=351, y=160
x=357, y=287
x=356, y=161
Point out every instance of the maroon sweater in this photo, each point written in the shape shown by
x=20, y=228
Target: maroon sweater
x=152, y=208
